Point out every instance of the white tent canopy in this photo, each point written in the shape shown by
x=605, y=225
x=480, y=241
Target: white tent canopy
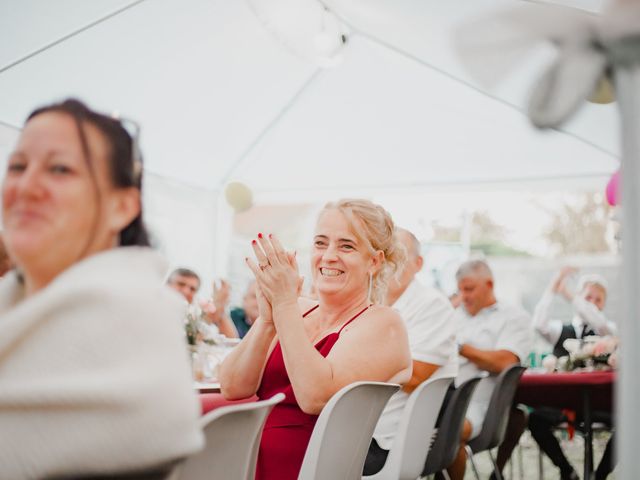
x=220, y=98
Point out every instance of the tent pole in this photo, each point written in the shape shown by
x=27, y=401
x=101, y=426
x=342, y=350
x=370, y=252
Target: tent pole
x=627, y=78
x=222, y=236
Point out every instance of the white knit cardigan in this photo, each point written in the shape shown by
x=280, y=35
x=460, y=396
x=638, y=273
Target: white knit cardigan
x=94, y=372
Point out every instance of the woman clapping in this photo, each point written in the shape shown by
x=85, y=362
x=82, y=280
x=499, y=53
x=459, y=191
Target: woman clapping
x=311, y=349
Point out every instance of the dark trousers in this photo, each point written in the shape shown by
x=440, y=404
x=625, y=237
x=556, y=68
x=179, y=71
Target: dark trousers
x=376, y=458
x=541, y=424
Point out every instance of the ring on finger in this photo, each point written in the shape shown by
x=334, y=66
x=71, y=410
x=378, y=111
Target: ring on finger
x=264, y=265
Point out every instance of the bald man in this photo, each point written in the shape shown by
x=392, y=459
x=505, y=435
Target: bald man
x=427, y=315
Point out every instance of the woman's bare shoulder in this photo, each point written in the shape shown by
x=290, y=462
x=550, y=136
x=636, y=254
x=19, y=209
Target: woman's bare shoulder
x=379, y=319
x=375, y=347
x=383, y=313
x=306, y=304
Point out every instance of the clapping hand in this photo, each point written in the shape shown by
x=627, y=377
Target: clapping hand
x=276, y=272
x=220, y=294
x=264, y=307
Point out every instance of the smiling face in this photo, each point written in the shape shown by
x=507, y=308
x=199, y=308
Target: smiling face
x=340, y=262
x=55, y=212
x=595, y=294
x=186, y=285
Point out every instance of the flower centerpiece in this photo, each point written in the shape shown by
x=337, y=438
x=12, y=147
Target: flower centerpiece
x=197, y=329
x=191, y=319
x=206, y=343
x=591, y=353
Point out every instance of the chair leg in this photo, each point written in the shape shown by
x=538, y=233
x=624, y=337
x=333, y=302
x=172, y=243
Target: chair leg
x=511, y=468
x=520, y=462
x=496, y=470
x=540, y=465
x=473, y=463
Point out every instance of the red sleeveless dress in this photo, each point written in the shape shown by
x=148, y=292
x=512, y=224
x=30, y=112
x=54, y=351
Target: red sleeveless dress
x=288, y=429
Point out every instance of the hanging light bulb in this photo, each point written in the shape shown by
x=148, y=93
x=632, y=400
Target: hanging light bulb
x=304, y=27
x=238, y=196
x=327, y=45
x=329, y=41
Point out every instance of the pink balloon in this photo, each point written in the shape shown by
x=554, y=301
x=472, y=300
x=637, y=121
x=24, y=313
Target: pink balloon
x=613, y=190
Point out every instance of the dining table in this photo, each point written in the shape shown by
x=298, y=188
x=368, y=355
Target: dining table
x=207, y=386
x=211, y=398
x=581, y=391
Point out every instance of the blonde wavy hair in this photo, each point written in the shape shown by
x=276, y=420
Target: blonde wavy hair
x=374, y=228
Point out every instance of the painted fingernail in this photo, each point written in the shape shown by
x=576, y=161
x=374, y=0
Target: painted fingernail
x=270, y=236
x=253, y=242
x=259, y=235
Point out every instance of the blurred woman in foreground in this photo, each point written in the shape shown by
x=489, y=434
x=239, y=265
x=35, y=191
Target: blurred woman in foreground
x=310, y=349
x=94, y=377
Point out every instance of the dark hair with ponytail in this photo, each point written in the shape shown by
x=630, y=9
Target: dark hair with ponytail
x=124, y=160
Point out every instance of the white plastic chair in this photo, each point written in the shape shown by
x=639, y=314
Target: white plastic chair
x=232, y=435
x=445, y=446
x=410, y=446
x=494, y=426
x=341, y=437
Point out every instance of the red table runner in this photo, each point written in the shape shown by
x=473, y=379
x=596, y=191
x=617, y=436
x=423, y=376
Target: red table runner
x=564, y=390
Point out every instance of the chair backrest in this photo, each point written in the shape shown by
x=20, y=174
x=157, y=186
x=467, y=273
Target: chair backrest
x=495, y=422
x=447, y=441
x=411, y=442
x=232, y=434
x=342, y=434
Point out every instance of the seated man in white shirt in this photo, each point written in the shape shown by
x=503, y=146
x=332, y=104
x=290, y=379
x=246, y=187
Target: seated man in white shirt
x=427, y=315
x=588, y=319
x=491, y=336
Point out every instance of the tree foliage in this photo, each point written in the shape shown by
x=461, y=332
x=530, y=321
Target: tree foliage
x=486, y=235
x=579, y=225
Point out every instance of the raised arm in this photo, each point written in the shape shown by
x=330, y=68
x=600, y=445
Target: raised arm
x=219, y=317
x=550, y=329
x=376, y=349
x=588, y=312
x=593, y=317
x=241, y=371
